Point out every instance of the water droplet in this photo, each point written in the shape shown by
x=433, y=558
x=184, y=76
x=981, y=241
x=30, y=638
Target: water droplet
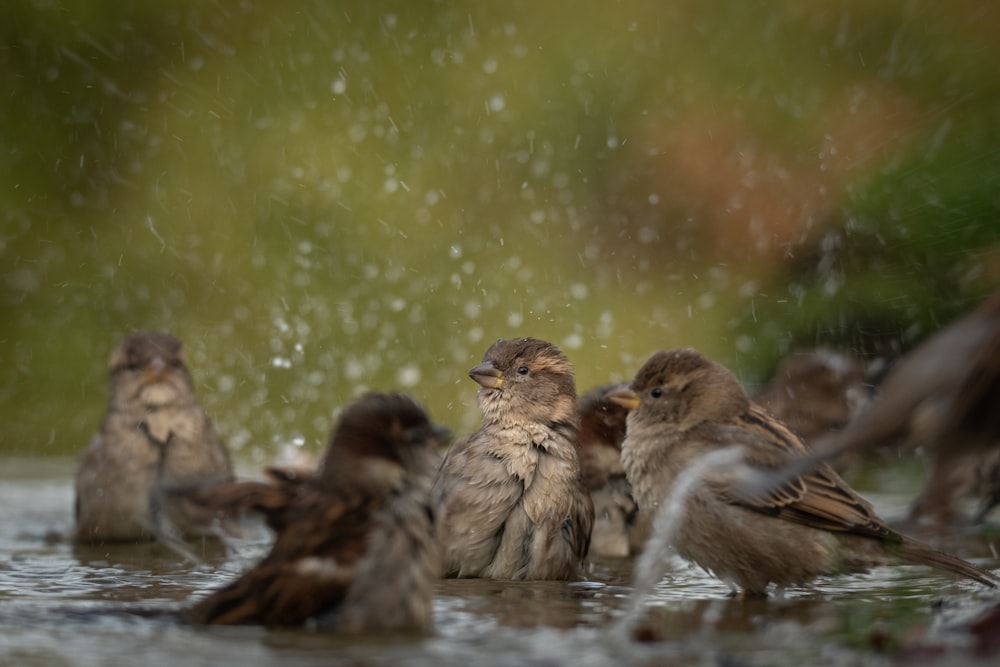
x=472, y=309
x=408, y=376
x=357, y=133
x=648, y=235
x=574, y=341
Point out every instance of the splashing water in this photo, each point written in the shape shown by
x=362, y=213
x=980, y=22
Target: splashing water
x=652, y=563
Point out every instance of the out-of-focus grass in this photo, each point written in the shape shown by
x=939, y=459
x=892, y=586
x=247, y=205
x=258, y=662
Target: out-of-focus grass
x=333, y=196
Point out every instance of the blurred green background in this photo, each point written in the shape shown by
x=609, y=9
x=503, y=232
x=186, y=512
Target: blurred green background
x=322, y=197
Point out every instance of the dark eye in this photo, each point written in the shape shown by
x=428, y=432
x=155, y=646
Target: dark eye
x=522, y=370
x=656, y=392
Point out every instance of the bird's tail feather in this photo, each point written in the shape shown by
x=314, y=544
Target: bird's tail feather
x=915, y=552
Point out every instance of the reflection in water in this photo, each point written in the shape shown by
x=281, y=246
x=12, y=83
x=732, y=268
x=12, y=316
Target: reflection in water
x=59, y=605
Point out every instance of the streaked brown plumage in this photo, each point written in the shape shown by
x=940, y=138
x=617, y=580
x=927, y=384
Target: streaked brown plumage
x=357, y=548
x=514, y=502
x=618, y=529
x=684, y=406
x=154, y=443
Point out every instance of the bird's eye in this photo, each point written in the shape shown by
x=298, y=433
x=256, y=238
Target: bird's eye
x=656, y=392
x=522, y=370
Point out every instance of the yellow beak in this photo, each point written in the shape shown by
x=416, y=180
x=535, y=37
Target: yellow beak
x=624, y=397
x=487, y=375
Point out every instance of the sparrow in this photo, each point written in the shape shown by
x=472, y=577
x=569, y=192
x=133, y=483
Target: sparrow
x=357, y=545
x=951, y=479
x=155, y=443
x=815, y=392
x=513, y=496
x=618, y=530
x=683, y=406
x=944, y=393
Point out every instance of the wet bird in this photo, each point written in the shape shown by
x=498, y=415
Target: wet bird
x=155, y=443
x=618, y=529
x=685, y=406
x=814, y=392
x=357, y=548
x=514, y=501
x=943, y=394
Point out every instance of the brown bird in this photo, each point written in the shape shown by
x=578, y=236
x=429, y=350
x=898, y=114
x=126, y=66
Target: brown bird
x=975, y=475
x=154, y=443
x=685, y=406
x=358, y=543
x=814, y=392
x=618, y=529
x=515, y=505
x=942, y=394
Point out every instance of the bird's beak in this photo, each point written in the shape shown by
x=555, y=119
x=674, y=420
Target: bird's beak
x=624, y=397
x=487, y=375
x=155, y=370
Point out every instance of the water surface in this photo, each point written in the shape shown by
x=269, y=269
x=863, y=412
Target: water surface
x=115, y=606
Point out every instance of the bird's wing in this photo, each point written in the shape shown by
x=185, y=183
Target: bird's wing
x=577, y=528
x=310, y=567
x=818, y=498
x=476, y=492
x=273, y=498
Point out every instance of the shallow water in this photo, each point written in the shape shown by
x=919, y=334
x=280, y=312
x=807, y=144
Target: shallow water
x=60, y=605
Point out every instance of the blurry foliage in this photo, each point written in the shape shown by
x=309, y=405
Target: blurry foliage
x=918, y=246
x=323, y=197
